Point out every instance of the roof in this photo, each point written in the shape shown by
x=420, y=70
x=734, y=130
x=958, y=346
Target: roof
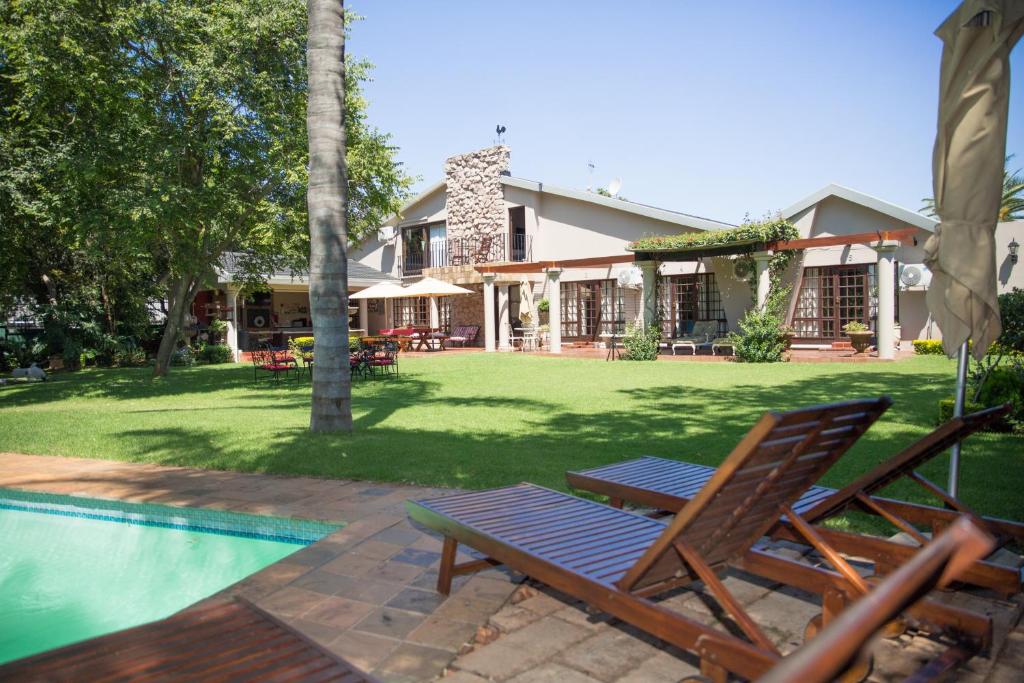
x=665, y=215
x=679, y=218
x=359, y=275
x=880, y=205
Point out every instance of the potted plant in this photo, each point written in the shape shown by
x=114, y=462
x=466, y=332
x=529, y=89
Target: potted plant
x=859, y=334
x=788, y=333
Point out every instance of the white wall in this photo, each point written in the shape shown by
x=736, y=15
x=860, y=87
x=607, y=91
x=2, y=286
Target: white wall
x=1009, y=275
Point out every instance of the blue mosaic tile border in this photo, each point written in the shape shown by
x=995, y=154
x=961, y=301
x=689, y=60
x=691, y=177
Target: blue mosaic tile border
x=281, y=529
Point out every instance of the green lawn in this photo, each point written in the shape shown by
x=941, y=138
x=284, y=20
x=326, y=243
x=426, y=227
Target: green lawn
x=476, y=420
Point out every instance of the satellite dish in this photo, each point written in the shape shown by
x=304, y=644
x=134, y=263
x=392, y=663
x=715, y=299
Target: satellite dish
x=614, y=186
x=632, y=278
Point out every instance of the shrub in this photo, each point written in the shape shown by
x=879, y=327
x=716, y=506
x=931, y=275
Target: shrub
x=641, y=343
x=128, y=357
x=946, y=409
x=183, y=357
x=855, y=326
x=217, y=330
x=213, y=354
x=928, y=347
x=1011, y=311
x=543, y=306
x=762, y=338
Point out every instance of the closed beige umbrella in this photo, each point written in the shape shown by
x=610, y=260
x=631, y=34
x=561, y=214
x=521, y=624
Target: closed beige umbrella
x=526, y=312
x=967, y=169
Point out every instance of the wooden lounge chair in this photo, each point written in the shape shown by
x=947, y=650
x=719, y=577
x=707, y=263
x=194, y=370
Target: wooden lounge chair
x=669, y=484
x=221, y=641
x=464, y=334
x=838, y=647
x=616, y=560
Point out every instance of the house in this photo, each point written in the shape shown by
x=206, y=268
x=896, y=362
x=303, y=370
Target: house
x=495, y=234
x=281, y=311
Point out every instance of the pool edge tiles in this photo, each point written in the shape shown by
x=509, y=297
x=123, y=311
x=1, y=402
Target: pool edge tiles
x=261, y=527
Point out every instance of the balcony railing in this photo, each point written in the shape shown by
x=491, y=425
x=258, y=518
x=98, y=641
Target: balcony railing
x=467, y=251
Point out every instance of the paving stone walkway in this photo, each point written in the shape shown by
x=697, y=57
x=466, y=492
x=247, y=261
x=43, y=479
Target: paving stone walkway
x=365, y=591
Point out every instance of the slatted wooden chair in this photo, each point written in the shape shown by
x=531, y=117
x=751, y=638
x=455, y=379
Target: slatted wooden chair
x=837, y=648
x=222, y=641
x=670, y=484
x=617, y=560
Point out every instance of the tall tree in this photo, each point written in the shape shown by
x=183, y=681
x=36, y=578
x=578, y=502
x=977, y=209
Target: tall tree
x=326, y=202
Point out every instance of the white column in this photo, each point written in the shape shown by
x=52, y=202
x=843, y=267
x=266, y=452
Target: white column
x=649, y=270
x=364, y=316
x=762, y=276
x=231, y=298
x=554, y=310
x=435, y=314
x=489, y=312
x=503, y=336
x=885, y=278
x=388, y=317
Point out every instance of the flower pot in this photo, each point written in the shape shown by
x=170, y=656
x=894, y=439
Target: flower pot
x=860, y=340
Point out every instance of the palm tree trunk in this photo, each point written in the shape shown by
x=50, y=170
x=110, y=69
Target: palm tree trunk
x=326, y=199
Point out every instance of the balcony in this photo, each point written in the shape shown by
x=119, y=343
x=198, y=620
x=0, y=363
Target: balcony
x=467, y=251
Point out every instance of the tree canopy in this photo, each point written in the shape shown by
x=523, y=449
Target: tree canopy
x=141, y=139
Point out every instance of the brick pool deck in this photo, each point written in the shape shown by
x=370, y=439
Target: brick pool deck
x=367, y=590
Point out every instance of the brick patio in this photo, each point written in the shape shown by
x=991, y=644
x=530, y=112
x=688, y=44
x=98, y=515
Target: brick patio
x=367, y=591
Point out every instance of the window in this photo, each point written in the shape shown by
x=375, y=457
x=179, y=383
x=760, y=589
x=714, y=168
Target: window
x=424, y=246
x=830, y=297
x=686, y=299
x=411, y=311
x=592, y=308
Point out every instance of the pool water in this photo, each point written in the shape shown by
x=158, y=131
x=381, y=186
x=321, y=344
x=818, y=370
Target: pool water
x=73, y=568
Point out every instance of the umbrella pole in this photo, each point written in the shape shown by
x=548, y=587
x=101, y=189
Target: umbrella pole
x=958, y=411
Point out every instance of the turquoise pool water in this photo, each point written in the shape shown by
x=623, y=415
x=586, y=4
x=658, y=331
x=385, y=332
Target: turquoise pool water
x=73, y=568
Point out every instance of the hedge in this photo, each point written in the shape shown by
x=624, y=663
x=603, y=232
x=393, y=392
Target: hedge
x=929, y=347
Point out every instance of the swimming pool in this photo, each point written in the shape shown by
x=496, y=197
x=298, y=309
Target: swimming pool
x=72, y=568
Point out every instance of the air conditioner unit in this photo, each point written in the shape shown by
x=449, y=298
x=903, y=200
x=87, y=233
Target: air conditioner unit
x=915, y=276
x=387, y=234
x=632, y=278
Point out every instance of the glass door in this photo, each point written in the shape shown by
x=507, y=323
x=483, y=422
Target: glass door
x=829, y=298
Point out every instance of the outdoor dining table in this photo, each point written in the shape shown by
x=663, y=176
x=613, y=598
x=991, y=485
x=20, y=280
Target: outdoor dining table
x=425, y=341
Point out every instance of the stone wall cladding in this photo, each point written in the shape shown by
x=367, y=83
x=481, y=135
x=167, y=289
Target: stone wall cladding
x=468, y=309
x=476, y=206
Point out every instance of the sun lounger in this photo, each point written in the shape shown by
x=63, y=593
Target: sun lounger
x=616, y=560
x=669, y=484
x=839, y=646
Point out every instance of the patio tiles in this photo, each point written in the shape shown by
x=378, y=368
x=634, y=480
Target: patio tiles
x=390, y=622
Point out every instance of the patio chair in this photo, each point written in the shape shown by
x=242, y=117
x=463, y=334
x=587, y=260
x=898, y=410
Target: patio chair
x=617, y=560
x=670, y=484
x=464, y=334
x=701, y=335
x=839, y=646
x=264, y=359
x=383, y=359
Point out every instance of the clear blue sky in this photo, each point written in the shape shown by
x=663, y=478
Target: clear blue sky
x=716, y=109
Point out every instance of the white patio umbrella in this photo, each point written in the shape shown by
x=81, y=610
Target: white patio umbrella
x=431, y=286
x=382, y=290
x=967, y=168
x=526, y=313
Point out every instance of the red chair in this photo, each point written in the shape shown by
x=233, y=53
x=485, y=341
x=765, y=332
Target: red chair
x=384, y=359
x=266, y=360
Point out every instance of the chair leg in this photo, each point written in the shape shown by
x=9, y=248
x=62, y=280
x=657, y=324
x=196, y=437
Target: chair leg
x=444, y=572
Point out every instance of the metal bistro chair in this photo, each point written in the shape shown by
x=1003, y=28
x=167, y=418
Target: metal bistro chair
x=266, y=359
x=384, y=359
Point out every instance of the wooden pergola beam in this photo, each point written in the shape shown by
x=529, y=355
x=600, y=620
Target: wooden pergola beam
x=901, y=235
x=541, y=266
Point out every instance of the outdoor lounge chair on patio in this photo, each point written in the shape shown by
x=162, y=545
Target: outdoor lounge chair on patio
x=616, y=560
x=839, y=646
x=670, y=484
x=701, y=335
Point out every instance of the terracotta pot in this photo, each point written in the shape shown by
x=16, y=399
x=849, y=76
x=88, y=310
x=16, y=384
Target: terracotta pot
x=860, y=340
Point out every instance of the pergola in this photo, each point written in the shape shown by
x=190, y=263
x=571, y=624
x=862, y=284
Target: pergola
x=884, y=243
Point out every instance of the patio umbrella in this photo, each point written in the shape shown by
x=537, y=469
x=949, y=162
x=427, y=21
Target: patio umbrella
x=967, y=168
x=381, y=290
x=526, y=312
x=430, y=286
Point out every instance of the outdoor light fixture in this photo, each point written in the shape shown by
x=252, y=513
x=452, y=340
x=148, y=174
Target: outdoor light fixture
x=1013, y=247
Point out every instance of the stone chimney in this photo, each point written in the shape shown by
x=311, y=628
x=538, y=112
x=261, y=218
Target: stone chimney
x=476, y=205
